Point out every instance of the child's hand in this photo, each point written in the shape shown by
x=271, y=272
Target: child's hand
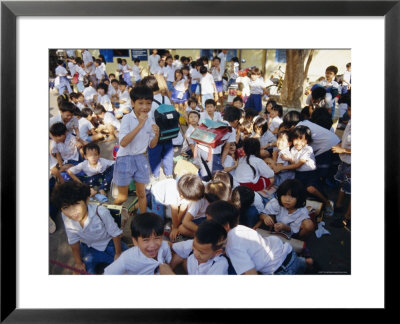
x=338, y=149
x=156, y=129
x=285, y=157
x=236, y=163
x=142, y=118
x=277, y=168
x=174, y=233
x=165, y=269
x=269, y=221
x=278, y=227
x=80, y=266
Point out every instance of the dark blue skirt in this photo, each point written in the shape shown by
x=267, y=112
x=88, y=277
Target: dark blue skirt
x=255, y=102
x=175, y=93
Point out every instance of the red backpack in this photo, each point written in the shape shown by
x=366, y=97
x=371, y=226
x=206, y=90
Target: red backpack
x=210, y=133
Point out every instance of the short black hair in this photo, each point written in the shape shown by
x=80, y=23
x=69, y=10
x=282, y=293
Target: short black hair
x=176, y=57
x=210, y=232
x=99, y=109
x=232, y=113
x=223, y=213
x=296, y=189
x=279, y=109
x=144, y=225
x=318, y=93
x=60, y=62
x=61, y=99
x=203, y=69
x=348, y=64
x=86, y=112
x=210, y=102
x=73, y=95
x=123, y=82
x=169, y=57
x=237, y=98
x=69, y=193
x=301, y=130
x=141, y=92
x=291, y=118
x=305, y=113
x=136, y=60
x=67, y=106
x=217, y=58
x=91, y=146
x=58, y=129
x=322, y=117
x=98, y=61
x=151, y=82
x=332, y=68
x=191, y=187
x=194, y=112
x=250, y=112
x=192, y=100
x=103, y=86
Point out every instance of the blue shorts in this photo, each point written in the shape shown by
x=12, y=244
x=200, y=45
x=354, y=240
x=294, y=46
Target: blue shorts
x=343, y=176
x=170, y=85
x=130, y=167
x=296, y=265
x=194, y=88
x=198, y=221
x=219, y=85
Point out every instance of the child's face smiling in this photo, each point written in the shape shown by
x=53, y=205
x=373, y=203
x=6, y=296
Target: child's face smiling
x=254, y=77
x=237, y=104
x=149, y=246
x=77, y=211
x=66, y=116
x=282, y=143
x=142, y=106
x=300, y=142
x=288, y=201
x=273, y=113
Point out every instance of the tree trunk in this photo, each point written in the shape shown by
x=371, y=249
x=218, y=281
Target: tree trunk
x=293, y=85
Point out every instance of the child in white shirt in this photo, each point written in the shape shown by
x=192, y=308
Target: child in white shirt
x=204, y=254
x=103, y=99
x=92, y=233
x=137, y=70
x=287, y=213
x=86, y=128
x=99, y=71
x=207, y=85
x=192, y=105
x=257, y=89
x=125, y=106
x=149, y=252
x=189, y=144
x=62, y=80
x=110, y=125
x=210, y=111
x=252, y=171
x=249, y=252
x=217, y=72
x=231, y=161
x=275, y=118
x=126, y=72
x=180, y=93
x=66, y=116
x=267, y=139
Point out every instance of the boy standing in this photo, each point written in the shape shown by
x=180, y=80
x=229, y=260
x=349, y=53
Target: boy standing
x=137, y=133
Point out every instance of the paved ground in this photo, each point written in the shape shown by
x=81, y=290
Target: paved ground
x=331, y=252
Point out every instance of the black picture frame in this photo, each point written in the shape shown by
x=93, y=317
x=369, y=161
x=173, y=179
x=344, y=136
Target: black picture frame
x=10, y=10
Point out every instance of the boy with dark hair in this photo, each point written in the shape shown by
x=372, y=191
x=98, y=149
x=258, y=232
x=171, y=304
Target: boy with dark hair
x=207, y=86
x=86, y=128
x=94, y=171
x=92, y=233
x=137, y=134
x=204, y=254
x=66, y=116
x=149, y=251
x=249, y=252
x=238, y=103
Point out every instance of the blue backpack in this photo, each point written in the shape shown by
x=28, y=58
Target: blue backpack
x=167, y=119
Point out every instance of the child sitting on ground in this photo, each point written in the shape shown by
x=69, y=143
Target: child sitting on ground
x=249, y=252
x=94, y=171
x=92, y=233
x=86, y=128
x=113, y=92
x=66, y=116
x=149, y=252
x=302, y=160
x=267, y=139
x=109, y=124
x=287, y=213
x=189, y=144
x=65, y=147
x=102, y=98
x=204, y=254
x=252, y=171
x=231, y=160
x=275, y=118
x=124, y=100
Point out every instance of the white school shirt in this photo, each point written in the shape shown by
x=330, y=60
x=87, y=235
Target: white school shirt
x=195, y=74
x=244, y=172
x=322, y=138
x=72, y=68
x=246, y=85
x=88, y=94
x=84, y=127
x=124, y=96
x=134, y=262
x=87, y=57
x=333, y=84
x=267, y=138
x=99, y=73
x=136, y=72
x=325, y=103
x=217, y=75
x=81, y=73
x=119, y=69
x=97, y=230
x=169, y=73
x=61, y=71
x=280, y=160
x=248, y=250
x=80, y=105
x=141, y=141
x=153, y=62
x=282, y=215
x=126, y=68
x=257, y=86
x=222, y=56
x=305, y=154
x=188, y=140
x=214, y=266
x=166, y=193
x=73, y=123
x=105, y=102
x=68, y=149
x=347, y=76
x=206, y=83
x=180, y=86
x=346, y=143
x=258, y=202
x=198, y=208
x=100, y=167
x=229, y=162
x=109, y=118
x=217, y=116
x=158, y=70
x=70, y=52
x=177, y=64
x=112, y=91
x=275, y=123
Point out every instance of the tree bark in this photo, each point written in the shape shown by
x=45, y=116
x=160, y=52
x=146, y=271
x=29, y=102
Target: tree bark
x=293, y=84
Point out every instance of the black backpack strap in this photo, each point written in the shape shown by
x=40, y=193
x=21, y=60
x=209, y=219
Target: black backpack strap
x=163, y=99
x=206, y=167
x=156, y=101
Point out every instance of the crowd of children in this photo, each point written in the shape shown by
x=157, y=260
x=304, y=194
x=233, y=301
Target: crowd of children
x=255, y=172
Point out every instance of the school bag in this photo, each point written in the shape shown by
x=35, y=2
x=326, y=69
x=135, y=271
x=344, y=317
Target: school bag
x=167, y=119
x=75, y=78
x=210, y=133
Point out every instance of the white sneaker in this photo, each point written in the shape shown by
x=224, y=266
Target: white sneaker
x=52, y=226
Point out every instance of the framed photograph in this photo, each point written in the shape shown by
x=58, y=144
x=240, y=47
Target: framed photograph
x=29, y=29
